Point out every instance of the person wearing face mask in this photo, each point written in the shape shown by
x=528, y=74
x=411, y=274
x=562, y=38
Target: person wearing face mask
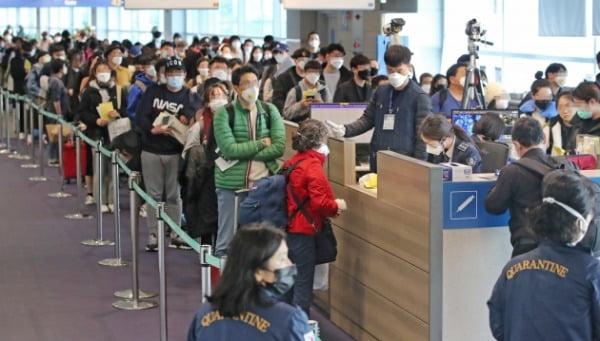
x=556, y=74
x=198, y=181
x=161, y=152
x=203, y=73
x=74, y=78
x=218, y=67
x=57, y=101
x=101, y=89
x=496, y=97
x=358, y=89
x=518, y=188
x=446, y=100
x=313, y=42
x=235, y=47
x=256, y=59
x=560, y=128
x=448, y=143
x=309, y=185
x=114, y=56
x=334, y=71
x=167, y=50
x=307, y=92
x=249, y=289
x=33, y=77
x=438, y=83
x=425, y=80
x=249, y=146
x=395, y=111
x=586, y=97
x=277, y=65
x=290, y=78
x=541, y=105
x=489, y=128
x=552, y=292
x=247, y=50
x=142, y=81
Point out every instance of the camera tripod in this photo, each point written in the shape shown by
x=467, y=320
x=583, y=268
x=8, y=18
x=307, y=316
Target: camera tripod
x=473, y=91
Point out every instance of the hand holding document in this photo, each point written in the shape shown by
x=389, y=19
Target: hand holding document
x=177, y=129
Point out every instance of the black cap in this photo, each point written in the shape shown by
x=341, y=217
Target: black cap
x=174, y=63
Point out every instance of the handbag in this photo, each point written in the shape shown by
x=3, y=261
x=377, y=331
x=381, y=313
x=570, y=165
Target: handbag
x=52, y=130
x=325, y=242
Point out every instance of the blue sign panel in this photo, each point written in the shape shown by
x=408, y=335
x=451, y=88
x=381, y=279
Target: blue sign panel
x=61, y=3
x=464, y=206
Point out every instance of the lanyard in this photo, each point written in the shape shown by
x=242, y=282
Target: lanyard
x=390, y=111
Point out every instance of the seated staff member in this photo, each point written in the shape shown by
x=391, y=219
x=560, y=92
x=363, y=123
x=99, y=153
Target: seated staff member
x=308, y=91
x=586, y=97
x=552, y=292
x=446, y=142
x=489, y=128
x=560, y=129
x=245, y=304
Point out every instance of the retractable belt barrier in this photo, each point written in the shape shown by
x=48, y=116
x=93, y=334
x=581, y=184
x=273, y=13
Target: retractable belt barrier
x=132, y=296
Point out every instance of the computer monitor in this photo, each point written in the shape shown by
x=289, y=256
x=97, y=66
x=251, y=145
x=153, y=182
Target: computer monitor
x=466, y=118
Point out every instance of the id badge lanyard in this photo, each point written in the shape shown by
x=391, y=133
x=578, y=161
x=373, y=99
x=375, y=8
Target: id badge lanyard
x=389, y=118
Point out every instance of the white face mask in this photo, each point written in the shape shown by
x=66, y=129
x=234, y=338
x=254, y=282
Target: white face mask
x=248, y=49
x=62, y=57
x=250, y=95
x=301, y=64
x=434, y=150
x=561, y=80
x=217, y=103
x=312, y=78
x=203, y=71
x=426, y=88
x=220, y=74
x=45, y=59
x=151, y=72
x=337, y=62
x=227, y=56
x=268, y=56
x=323, y=149
x=462, y=81
x=501, y=104
x=397, y=79
x=57, y=39
x=236, y=44
x=314, y=44
x=257, y=57
x=65, y=70
x=279, y=58
x=117, y=60
x=103, y=77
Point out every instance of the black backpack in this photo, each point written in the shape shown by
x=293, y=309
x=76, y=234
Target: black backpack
x=591, y=239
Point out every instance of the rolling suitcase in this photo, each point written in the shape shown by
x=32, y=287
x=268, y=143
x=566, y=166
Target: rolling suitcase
x=69, y=160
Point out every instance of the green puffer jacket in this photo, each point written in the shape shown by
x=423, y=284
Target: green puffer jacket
x=235, y=144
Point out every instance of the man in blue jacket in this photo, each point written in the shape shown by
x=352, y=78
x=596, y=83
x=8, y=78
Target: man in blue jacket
x=142, y=81
x=395, y=111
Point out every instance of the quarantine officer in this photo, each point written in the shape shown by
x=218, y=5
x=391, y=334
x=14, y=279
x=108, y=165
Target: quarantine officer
x=245, y=304
x=395, y=111
x=552, y=292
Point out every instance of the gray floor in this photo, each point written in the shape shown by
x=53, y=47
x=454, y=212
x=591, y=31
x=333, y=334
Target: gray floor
x=52, y=287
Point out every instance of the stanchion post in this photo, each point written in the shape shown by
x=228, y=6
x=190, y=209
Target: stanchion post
x=99, y=241
x=2, y=123
x=41, y=177
x=162, y=276
x=29, y=138
x=61, y=166
x=131, y=297
x=206, y=271
x=7, y=149
x=117, y=261
x=80, y=214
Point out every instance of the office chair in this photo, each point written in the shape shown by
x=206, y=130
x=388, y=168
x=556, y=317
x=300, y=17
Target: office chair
x=494, y=155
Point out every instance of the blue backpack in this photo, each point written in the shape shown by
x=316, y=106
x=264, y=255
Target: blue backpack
x=266, y=201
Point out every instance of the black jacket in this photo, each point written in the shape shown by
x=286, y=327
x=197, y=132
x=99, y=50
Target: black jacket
x=350, y=92
x=283, y=84
x=88, y=114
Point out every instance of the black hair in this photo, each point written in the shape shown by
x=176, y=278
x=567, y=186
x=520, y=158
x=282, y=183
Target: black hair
x=218, y=59
x=238, y=73
x=214, y=39
x=311, y=133
x=112, y=48
x=567, y=94
x=552, y=221
x=396, y=55
x=301, y=52
x=127, y=44
x=359, y=59
x=146, y=60
x=452, y=70
x=527, y=131
x=98, y=63
x=235, y=61
x=72, y=53
x=209, y=85
x=56, y=47
x=56, y=65
x=40, y=54
x=554, y=68
x=586, y=91
x=254, y=48
x=424, y=75
x=160, y=63
x=202, y=59
x=322, y=51
x=234, y=37
x=434, y=87
x=268, y=39
x=377, y=79
x=490, y=126
x=437, y=127
x=250, y=250
x=598, y=57
x=313, y=65
x=538, y=84
x=311, y=33
x=335, y=47
x=166, y=43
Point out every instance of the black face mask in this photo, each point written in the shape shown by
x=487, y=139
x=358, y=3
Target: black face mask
x=440, y=87
x=364, y=74
x=542, y=104
x=374, y=71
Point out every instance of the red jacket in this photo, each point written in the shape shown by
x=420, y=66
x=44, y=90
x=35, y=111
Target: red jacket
x=308, y=180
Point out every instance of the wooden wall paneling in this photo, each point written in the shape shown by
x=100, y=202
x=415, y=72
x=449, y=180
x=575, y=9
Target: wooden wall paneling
x=290, y=129
x=375, y=314
x=387, y=275
x=400, y=232
x=342, y=161
x=350, y=327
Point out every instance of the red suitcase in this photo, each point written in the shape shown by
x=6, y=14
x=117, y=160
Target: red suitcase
x=69, y=160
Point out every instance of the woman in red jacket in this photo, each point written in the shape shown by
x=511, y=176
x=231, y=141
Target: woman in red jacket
x=309, y=184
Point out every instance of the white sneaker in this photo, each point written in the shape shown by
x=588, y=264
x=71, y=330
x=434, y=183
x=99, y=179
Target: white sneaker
x=111, y=207
x=21, y=136
x=105, y=209
x=89, y=200
x=143, y=211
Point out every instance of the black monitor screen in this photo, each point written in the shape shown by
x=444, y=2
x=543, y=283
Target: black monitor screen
x=466, y=119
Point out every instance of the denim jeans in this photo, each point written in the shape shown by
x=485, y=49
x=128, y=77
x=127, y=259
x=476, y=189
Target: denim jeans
x=302, y=253
x=226, y=207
